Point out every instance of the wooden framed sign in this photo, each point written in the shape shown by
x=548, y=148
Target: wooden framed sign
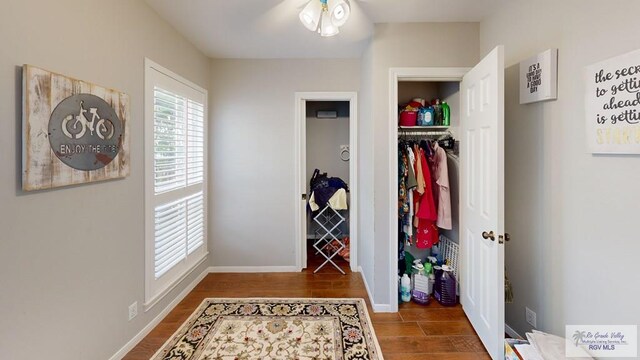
x=539, y=77
x=74, y=132
x=612, y=105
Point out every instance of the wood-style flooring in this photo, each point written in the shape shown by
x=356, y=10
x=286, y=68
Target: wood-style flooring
x=416, y=332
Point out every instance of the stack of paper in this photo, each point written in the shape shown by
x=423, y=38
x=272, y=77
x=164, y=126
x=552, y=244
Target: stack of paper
x=528, y=352
x=548, y=347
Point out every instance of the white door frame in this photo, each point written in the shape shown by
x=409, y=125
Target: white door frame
x=395, y=75
x=300, y=152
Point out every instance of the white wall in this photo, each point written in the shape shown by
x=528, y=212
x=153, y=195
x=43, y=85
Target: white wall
x=324, y=138
x=72, y=259
x=252, y=183
x=403, y=45
x=572, y=216
x=366, y=198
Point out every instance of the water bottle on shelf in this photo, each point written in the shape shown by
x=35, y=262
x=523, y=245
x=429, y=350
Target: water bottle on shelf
x=446, y=114
x=437, y=109
x=405, y=288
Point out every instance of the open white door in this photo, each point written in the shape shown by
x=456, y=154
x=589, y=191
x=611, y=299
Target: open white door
x=482, y=200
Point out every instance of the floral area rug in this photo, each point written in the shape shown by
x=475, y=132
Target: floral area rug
x=287, y=329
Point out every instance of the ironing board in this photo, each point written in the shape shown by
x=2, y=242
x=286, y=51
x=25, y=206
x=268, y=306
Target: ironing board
x=329, y=244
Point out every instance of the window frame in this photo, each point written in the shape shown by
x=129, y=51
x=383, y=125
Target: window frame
x=156, y=289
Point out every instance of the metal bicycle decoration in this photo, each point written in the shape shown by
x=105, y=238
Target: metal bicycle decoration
x=103, y=128
x=85, y=132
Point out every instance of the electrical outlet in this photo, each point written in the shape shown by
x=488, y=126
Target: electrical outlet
x=133, y=310
x=530, y=315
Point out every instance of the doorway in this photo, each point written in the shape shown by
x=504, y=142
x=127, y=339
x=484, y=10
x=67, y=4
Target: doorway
x=321, y=113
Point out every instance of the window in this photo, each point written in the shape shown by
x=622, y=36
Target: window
x=175, y=180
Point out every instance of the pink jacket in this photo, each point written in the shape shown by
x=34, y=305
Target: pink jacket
x=441, y=175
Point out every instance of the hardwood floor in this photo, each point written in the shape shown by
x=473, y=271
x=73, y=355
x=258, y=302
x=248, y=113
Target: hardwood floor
x=415, y=332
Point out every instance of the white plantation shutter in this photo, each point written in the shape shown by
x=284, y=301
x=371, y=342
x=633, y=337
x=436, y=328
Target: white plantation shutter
x=175, y=186
x=171, y=236
x=170, y=141
x=195, y=147
x=195, y=222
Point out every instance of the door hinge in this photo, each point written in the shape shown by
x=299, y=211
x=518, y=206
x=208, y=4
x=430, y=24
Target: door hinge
x=503, y=238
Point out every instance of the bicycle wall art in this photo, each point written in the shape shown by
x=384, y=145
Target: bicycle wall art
x=74, y=132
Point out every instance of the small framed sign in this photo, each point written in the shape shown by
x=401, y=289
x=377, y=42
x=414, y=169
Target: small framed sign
x=612, y=102
x=539, y=77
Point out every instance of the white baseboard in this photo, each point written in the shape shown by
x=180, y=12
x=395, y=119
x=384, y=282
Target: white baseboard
x=509, y=330
x=382, y=308
x=147, y=329
x=252, y=269
x=374, y=306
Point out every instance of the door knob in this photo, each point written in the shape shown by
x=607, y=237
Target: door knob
x=488, y=235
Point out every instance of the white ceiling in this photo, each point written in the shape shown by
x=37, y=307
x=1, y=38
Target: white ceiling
x=271, y=28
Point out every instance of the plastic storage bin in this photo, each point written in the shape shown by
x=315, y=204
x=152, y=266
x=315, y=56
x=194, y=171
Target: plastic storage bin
x=408, y=118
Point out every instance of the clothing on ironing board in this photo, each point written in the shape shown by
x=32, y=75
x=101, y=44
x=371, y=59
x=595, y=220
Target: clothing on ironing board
x=326, y=190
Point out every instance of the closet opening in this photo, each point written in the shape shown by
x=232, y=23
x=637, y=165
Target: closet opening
x=420, y=130
x=326, y=182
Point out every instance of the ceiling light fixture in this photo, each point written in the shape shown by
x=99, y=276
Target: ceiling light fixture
x=325, y=16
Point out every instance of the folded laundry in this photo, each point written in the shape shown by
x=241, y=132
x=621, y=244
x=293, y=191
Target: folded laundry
x=312, y=202
x=339, y=200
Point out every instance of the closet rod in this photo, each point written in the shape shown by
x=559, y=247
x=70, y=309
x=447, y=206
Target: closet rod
x=422, y=133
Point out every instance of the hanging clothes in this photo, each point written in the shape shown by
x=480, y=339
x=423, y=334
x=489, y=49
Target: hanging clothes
x=425, y=210
x=407, y=222
x=442, y=189
x=419, y=173
x=403, y=173
x=412, y=181
x=427, y=234
x=424, y=200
